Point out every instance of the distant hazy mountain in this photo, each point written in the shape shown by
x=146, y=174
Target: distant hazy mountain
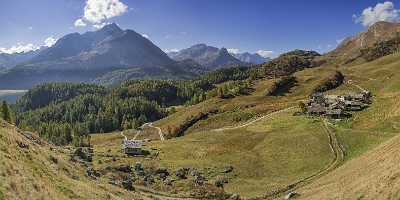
x=207, y=56
x=8, y=61
x=84, y=57
x=250, y=58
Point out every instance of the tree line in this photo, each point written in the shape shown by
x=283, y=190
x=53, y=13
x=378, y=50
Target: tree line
x=67, y=113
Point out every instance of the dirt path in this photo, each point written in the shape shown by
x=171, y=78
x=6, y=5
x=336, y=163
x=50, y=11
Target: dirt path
x=159, y=131
x=123, y=135
x=334, y=144
x=338, y=153
x=255, y=120
x=357, y=86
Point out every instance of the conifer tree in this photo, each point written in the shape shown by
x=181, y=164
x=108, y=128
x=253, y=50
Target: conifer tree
x=5, y=111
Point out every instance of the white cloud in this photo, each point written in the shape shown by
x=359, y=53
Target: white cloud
x=233, y=51
x=79, y=23
x=381, y=12
x=265, y=53
x=50, y=41
x=19, y=48
x=97, y=11
x=30, y=28
x=146, y=36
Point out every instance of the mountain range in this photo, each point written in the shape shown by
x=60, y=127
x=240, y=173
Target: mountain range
x=208, y=56
x=254, y=58
x=84, y=57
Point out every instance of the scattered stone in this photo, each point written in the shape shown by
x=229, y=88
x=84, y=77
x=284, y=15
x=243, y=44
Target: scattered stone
x=124, y=168
x=127, y=183
x=162, y=172
x=227, y=169
x=53, y=159
x=149, y=179
x=22, y=145
x=199, y=180
x=168, y=181
x=234, y=197
x=92, y=173
x=138, y=166
x=181, y=173
x=84, y=153
x=291, y=195
x=219, y=183
x=75, y=177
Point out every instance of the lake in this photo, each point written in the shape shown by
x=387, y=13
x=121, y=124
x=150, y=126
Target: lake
x=11, y=95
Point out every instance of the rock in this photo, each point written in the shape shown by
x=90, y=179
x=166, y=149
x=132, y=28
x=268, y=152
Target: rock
x=181, y=173
x=199, y=180
x=92, y=173
x=138, y=166
x=149, y=179
x=127, y=183
x=84, y=153
x=227, y=169
x=167, y=181
x=234, y=197
x=162, y=172
x=124, y=168
x=30, y=137
x=53, y=159
x=291, y=195
x=219, y=183
x=22, y=145
x=141, y=173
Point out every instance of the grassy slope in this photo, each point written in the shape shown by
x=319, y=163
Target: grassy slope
x=266, y=155
x=373, y=175
x=30, y=174
x=275, y=152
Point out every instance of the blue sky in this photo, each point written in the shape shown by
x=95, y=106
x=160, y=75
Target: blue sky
x=247, y=25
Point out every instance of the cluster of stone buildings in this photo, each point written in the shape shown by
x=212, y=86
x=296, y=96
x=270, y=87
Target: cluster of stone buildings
x=337, y=106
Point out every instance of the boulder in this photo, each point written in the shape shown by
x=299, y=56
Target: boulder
x=181, y=173
x=162, y=173
x=199, y=180
x=124, y=168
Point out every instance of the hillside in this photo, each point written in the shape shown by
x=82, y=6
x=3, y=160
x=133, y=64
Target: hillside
x=33, y=169
x=349, y=49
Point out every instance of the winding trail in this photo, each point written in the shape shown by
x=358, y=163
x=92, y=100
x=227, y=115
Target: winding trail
x=159, y=131
x=123, y=135
x=334, y=144
x=255, y=120
x=357, y=86
x=338, y=153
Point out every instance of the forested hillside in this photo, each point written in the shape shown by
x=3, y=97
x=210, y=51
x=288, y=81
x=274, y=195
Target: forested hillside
x=67, y=113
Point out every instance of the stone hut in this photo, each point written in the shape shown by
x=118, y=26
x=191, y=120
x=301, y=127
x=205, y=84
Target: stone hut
x=132, y=147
